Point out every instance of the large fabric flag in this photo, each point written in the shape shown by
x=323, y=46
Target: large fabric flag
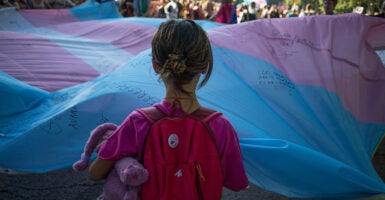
x=306, y=95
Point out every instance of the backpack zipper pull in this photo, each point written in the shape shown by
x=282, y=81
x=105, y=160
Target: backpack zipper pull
x=199, y=170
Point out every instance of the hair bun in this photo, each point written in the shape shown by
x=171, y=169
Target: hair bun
x=176, y=64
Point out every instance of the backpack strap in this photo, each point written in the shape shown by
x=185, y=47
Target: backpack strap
x=205, y=114
x=152, y=113
x=211, y=116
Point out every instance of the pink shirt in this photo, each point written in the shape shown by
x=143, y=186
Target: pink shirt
x=129, y=138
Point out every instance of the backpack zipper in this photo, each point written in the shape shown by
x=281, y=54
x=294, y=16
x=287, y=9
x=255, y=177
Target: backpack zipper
x=199, y=176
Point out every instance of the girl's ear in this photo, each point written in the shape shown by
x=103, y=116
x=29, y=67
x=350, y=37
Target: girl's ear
x=155, y=67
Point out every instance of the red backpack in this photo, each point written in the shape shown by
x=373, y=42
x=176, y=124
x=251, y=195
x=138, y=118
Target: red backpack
x=181, y=156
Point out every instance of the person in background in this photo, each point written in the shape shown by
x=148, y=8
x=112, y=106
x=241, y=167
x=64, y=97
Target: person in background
x=158, y=11
x=248, y=13
x=226, y=13
x=127, y=8
x=208, y=9
x=18, y=4
x=273, y=12
x=5, y=3
x=61, y=4
x=180, y=8
x=382, y=11
x=141, y=8
x=329, y=6
x=198, y=12
x=308, y=10
x=171, y=9
x=293, y=12
x=264, y=12
x=40, y=4
x=242, y=16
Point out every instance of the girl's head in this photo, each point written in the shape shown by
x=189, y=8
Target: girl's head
x=181, y=51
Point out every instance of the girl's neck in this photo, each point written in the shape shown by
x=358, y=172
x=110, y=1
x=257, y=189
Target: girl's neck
x=188, y=103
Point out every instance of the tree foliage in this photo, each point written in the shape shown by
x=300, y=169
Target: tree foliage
x=343, y=6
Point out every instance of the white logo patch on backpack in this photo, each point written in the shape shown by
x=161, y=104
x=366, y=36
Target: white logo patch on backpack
x=173, y=140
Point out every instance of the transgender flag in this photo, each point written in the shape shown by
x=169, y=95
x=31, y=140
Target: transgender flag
x=306, y=95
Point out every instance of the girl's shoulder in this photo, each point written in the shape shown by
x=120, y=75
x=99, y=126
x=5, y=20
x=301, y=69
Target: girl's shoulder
x=138, y=118
x=218, y=120
x=135, y=120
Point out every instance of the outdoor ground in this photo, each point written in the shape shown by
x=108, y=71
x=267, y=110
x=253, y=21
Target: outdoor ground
x=66, y=184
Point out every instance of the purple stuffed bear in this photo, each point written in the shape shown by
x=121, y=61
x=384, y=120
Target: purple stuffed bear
x=124, y=179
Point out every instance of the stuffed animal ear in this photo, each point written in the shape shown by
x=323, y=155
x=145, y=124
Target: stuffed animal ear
x=95, y=138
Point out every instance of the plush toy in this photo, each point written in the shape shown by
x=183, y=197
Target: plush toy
x=124, y=179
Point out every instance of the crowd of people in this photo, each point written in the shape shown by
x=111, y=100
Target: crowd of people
x=40, y=4
x=226, y=11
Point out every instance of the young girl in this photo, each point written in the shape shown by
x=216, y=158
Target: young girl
x=181, y=53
